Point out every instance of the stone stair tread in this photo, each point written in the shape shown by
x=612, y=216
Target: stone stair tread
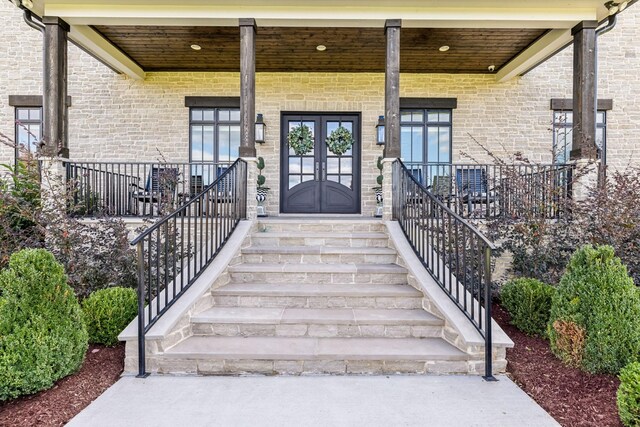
x=324, y=290
x=308, y=348
x=319, y=249
x=317, y=268
x=323, y=234
x=331, y=316
x=310, y=219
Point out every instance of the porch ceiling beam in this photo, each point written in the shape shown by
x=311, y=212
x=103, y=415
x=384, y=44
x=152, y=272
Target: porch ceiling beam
x=322, y=15
x=539, y=51
x=93, y=42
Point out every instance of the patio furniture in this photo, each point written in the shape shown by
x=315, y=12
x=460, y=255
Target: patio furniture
x=159, y=191
x=471, y=186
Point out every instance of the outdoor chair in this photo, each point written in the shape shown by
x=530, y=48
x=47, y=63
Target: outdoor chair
x=472, y=190
x=159, y=190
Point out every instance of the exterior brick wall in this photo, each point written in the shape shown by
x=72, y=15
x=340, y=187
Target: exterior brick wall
x=114, y=117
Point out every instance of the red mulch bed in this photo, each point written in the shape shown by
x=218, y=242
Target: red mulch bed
x=573, y=397
x=55, y=407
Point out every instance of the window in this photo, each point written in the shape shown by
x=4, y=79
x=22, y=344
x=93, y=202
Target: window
x=28, y=130
x=425, y=136
x=214, y=134
x=563, y=135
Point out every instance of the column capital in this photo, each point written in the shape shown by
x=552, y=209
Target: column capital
x=584, y=25
x=54, y=20
x=247, y=22
x=392, y=23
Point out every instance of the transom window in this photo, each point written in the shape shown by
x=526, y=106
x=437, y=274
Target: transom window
x=28, y=130
x=214, y=134
x=563, y=135
x=425, y=136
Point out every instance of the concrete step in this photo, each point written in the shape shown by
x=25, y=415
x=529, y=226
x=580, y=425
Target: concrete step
x=295, y=295
x=327, y=239
x=318, y=255
x=292, y=225
x=310, y=355
x=317, y=273
x=260, y=321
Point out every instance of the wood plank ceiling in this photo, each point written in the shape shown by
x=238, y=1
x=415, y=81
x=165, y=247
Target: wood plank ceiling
x=280, y=49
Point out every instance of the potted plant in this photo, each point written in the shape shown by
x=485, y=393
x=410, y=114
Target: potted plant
x=261, y=190
x=378, y=189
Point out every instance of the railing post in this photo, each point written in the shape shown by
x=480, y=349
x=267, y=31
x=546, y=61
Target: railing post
x=142, y=370
x=488, y=343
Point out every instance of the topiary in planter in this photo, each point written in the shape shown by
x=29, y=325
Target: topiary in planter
x=595, y=313
x=628, y=396
x=42, y=334
x=107, y=312
x=528, y=301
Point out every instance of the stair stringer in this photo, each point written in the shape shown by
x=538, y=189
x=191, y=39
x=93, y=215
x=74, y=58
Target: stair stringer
x=457, y=330
x=175, y=325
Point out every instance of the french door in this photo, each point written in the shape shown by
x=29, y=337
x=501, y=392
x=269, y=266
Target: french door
x=320, y=181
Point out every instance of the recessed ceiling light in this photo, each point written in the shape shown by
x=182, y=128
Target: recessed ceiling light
x=196, y=47
x=321, y=48
x=443, y=48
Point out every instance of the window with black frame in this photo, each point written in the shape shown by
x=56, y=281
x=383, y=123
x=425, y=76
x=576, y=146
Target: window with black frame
x=214, y=138
x=425, y=139
x=28, y=131
x=563, y=136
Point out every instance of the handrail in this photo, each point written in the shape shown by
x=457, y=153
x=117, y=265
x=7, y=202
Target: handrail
x=454, y=252
x=135, y=189
x=173, y=252
x=498, y=190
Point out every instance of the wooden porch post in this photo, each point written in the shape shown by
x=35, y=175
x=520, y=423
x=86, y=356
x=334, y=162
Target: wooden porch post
x=247, y=87
x=584, y=90
x=55, y=118
x=392, y=89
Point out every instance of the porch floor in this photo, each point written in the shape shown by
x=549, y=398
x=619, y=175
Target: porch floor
x=314, y=401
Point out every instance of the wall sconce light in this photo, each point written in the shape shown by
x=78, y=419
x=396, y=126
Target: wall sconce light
x=380, y=131
x=260, y=129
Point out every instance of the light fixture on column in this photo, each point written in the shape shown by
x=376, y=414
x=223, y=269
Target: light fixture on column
x=28, y=4
x=616, y=7
x=260, y=129
x=380, y=131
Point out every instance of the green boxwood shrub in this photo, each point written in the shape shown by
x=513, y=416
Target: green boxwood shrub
x=107, y=312
x=42, y=334
x=629, y=395
x=528, y=301
x=595, y=313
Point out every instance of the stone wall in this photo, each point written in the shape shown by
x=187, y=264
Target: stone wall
x=114, y=117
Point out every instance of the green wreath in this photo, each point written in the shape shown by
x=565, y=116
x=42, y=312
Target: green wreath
x=300, y=140
x=340, y=141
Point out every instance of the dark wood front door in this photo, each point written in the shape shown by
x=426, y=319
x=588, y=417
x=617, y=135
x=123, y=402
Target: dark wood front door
x=320, y=181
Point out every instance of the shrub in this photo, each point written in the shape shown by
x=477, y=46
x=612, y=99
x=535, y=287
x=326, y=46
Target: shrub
x=629, y=395
x=42, y=334
x=528, y=301
x=107, y=312
x=595, y=313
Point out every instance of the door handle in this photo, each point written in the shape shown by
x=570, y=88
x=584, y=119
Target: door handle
x=324, y=171
x=317, y=174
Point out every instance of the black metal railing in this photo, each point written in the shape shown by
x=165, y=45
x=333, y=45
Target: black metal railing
x=129, y=189
x=455, y=253
x=492, y=190
x=175, y=250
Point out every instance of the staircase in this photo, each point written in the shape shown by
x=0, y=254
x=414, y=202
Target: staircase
x=316, y=296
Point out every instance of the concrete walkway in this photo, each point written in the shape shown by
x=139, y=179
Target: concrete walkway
x=313, y=401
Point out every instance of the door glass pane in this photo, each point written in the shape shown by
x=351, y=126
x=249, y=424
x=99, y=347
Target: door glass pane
x=306, y=178
x=34, y=114
x=223, y=143
x=405, y=144
x=234, y=143
x=334, y=178
x=207, y=115
x=196, y=115
x=234, y=115
x=223, y=115
x=196, y=143
x=293, y=180
x=333, y=165
x=294, y=165
x=443, y=150
x=432, y=143
x=346, y=165
x=417, y=140
x=307, y=165
x=346, y=180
